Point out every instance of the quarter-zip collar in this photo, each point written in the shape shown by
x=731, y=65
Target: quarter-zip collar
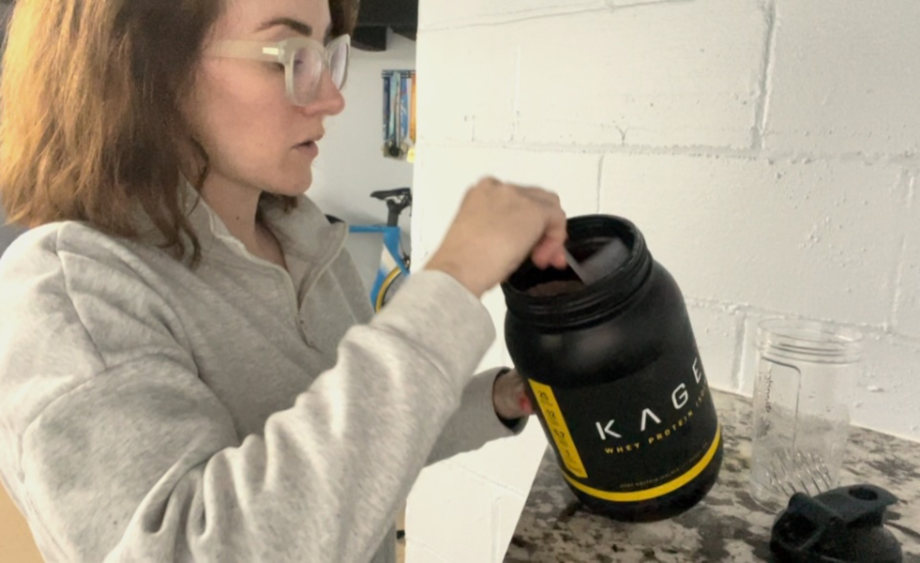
x=303, y=232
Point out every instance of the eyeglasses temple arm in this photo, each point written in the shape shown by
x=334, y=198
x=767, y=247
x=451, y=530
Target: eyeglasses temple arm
x=254, y=50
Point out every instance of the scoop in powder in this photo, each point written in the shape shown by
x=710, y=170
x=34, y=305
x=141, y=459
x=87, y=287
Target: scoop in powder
x=559, y=287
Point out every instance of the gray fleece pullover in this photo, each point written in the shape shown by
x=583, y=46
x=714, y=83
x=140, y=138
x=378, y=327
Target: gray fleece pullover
x=233, y=412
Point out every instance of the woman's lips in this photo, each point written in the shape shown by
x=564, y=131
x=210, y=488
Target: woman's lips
x=309, y=147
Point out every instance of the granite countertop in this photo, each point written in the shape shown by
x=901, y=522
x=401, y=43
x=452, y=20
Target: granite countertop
x=727, y=525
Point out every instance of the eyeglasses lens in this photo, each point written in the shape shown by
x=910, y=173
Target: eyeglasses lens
x=308, y=69
x=338, y=64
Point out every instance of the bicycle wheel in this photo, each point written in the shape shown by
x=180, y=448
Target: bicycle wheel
x=389, y=287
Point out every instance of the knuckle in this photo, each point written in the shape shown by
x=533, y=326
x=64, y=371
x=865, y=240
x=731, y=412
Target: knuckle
x=505, y=190
x=487, y=181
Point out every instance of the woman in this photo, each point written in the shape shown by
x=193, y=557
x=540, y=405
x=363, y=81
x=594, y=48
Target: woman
x=188, y=368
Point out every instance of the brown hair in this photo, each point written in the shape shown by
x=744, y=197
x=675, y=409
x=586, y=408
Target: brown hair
x=90, y=118
x=344, y=16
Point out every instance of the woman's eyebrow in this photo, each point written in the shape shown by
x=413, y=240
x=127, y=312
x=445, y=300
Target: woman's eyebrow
x=296, y=25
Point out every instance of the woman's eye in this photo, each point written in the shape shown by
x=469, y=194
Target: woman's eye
x=278, y=66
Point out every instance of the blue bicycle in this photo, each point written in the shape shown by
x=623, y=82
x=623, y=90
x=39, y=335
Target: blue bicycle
x=394, y=260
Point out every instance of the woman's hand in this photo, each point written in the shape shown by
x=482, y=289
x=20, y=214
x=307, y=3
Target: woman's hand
x=508, y=396
x=497, y=227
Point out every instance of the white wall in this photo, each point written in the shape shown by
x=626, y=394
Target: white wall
x=351, y=163
x=768, y=149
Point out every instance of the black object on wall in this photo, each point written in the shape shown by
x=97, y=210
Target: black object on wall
x=376, y=16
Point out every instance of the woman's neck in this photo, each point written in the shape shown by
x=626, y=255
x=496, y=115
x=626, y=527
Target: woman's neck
x=237, y=206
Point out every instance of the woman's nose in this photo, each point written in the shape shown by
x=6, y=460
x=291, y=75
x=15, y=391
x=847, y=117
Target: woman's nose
x=329, y=99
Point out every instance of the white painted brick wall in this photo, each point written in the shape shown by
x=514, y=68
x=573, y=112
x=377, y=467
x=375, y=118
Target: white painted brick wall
x=669, y=74
x=450, y=169
x=787, y=236
x=715, y=327
x=845, y=77
x=470, y=87
x=450, y=531
x=907, y=307
x=447, y=15
x=768, y=149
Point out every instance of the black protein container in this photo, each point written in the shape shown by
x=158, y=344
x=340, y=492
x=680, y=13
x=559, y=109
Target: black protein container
x=615, y=377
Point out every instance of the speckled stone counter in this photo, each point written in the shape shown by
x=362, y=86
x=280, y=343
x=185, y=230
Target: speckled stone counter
x=728, y=525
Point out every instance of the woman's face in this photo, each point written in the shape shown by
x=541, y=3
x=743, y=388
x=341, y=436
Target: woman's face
x=255, y=137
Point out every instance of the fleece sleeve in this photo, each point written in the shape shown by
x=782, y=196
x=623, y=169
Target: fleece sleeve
x=475, y=423
x=137, y=460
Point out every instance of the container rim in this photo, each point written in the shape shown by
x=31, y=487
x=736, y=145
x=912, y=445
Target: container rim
x=809, y=340
x=589, y=302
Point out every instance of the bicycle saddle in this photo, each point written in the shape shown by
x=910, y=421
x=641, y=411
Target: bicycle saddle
x=396, y=192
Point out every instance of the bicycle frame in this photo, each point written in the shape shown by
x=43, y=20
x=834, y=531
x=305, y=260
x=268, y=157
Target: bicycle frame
x=390, y=258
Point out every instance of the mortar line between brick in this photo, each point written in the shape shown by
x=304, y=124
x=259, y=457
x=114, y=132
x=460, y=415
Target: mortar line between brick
x=749, y=309
x=600, y=182
x=738, y=358
x=909, y=181
x=612, y=5
x=896, y=277
x=516, y=95
x=912, y=176
x=767, y=65
x=705, y=151
x=513, y=18
x=484, y=479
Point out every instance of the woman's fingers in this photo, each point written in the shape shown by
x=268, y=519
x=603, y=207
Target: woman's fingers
x=497, y=227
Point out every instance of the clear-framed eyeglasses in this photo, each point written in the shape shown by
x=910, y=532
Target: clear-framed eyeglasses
x=304, y=61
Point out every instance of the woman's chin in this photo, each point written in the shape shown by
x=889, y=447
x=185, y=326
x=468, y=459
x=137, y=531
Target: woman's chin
x=292, y=188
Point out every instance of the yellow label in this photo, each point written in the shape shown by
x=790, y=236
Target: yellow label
x=660, y=490
x=558, y=428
